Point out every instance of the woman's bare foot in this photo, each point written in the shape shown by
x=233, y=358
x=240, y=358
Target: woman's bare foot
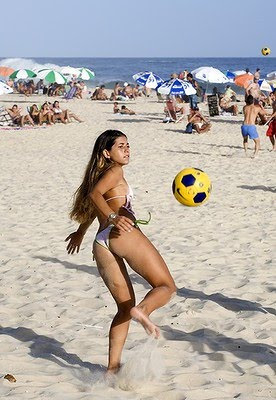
x=144, y=320
x=112, y=370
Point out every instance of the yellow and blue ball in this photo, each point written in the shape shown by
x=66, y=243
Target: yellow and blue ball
x=265, y=51
x=192, y=187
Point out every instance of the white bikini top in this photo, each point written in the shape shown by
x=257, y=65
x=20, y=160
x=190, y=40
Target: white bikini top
x=129, y=196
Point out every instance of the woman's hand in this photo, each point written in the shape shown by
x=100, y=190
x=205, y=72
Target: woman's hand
x=75, y=240
x=123, y=224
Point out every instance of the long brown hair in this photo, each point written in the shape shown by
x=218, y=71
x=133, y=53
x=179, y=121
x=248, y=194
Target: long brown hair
x=83, y=208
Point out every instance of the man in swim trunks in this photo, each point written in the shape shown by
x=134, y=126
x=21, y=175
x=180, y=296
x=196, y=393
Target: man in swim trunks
x=251, y=111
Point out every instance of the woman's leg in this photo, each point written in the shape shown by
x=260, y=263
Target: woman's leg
x=113, y=271
x=144, y=259
x=71, y=115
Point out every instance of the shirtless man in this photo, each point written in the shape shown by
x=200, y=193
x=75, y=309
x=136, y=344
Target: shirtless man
x=251, y=111
x=254, y=90
x=199, y=123
x=17, y=118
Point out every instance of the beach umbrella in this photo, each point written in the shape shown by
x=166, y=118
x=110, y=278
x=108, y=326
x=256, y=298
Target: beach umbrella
x=270, y=76
x=230, y=75
x=148, y=79
x=240, y=72
x=70, y=71
x=273, y=83
x=51, y=76
x=5, y=89
x=23, y=74
x=6, y=71
x=86, y=74
x=176, y=87
x=210, y=75
x=243, y=80
x=264, y=85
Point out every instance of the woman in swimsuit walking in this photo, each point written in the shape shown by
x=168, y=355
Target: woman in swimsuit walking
x=104, y=194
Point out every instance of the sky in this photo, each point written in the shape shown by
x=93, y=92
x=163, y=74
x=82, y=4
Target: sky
x=131, y=28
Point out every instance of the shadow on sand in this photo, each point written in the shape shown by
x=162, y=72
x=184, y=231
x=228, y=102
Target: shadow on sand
x=230, y=303
x=48, y=348
x=260, y=187
x=262, y=354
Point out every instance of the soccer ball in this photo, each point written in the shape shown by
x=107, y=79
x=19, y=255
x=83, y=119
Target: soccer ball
x=265, y=51
x=191, y=187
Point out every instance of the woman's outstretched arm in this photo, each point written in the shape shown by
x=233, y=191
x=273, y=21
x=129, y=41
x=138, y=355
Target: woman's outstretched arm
x=75, y=238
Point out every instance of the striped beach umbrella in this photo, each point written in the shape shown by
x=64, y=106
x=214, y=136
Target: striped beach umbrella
x=51, y=76
x=264, y=85
x=230, y=75
x=70, y=71
x=176, y=87
x=86, y=74
x=148, y=79
x=23, y=74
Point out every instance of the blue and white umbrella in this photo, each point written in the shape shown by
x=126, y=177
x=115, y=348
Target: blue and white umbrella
x=148, y=79
x=264, y=85
x=176, y=87
x=230, y=75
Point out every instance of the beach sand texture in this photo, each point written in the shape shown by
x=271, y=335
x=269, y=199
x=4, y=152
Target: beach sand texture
x=218, y=332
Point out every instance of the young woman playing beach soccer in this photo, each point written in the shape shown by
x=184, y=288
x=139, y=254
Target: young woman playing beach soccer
x=104, y=194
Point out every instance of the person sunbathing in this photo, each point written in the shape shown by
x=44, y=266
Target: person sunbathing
x=34, y=113
x=17, y=118
x=225, y=105
x=198, y=121
x=46, y=114
x=116, y=108
x=101, y=95
x=64, y=115
x=59, y=114
x=125, y=110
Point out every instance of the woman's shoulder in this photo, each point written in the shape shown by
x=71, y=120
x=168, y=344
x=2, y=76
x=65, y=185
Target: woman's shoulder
x=116, y=170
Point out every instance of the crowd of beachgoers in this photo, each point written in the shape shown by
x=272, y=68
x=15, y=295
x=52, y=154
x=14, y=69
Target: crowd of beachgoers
x=177, y=107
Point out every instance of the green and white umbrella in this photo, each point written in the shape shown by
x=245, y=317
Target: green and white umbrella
x=23, y=74
x=86, y=74
x=70, y=71
x=51, y=76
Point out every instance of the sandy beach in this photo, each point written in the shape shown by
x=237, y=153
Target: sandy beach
x=218, y=332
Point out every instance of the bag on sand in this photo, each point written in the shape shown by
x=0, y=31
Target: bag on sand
x=189, y=128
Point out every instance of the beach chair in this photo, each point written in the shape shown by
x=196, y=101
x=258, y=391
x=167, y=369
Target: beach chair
x=5, y=118
x=172, y=113
x=71, y=93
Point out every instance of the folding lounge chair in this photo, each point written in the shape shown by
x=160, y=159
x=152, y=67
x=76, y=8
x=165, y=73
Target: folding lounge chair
x=71, y=93
x=5, y=118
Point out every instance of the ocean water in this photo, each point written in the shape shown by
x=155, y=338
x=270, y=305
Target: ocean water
x=110, y=70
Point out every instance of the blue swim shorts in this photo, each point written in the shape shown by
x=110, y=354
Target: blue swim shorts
x=249, y=130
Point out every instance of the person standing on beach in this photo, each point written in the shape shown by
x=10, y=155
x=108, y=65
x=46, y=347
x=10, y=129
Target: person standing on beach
x=257, y=74
x=254, y=90
x=251, y=111
x=271, y=132
x=104, y=194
